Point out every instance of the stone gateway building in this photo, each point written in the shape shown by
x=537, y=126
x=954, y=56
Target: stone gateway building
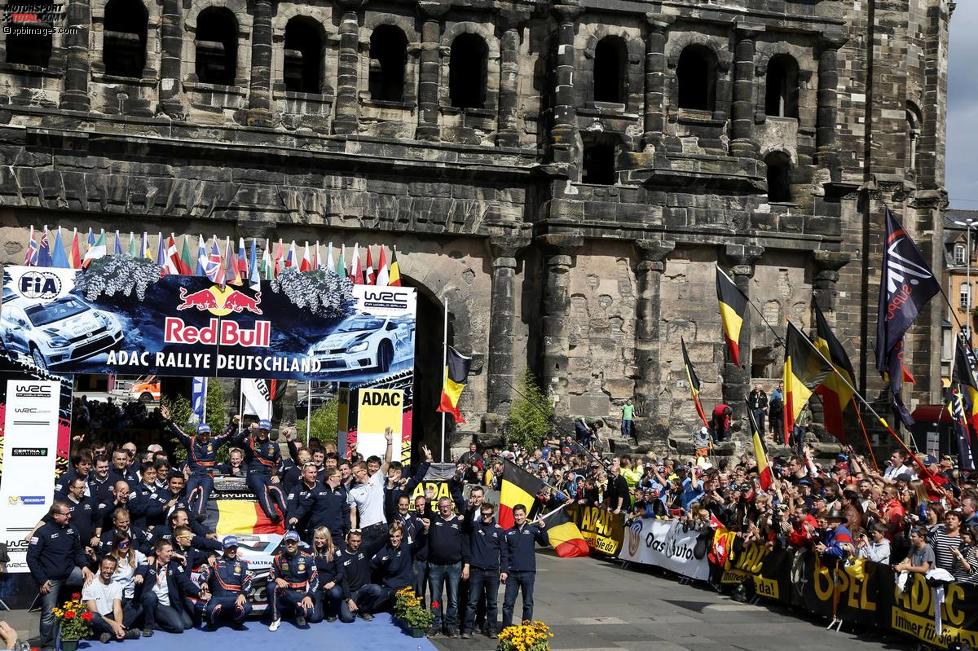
x=563, y=176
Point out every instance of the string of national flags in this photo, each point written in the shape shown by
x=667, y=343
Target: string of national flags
x=223, y=263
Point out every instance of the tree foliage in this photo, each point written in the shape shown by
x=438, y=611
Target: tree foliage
x=322, y=292
x=181, y=413
x=531, y=413
x=322, y=423
x=117, y=277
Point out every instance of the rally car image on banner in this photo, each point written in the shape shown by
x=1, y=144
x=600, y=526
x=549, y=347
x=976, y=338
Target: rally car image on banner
x=58, y=332
x=366, y=342
x=232, y=510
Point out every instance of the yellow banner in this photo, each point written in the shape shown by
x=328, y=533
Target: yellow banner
x=378, y=409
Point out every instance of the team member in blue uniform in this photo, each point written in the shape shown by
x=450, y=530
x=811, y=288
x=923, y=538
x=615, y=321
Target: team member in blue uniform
x=56, y=558
x=201, y=459
x=121, y=469
x=360, y=596
x=81, y=467
x=293, y=581
x=122, y=523
x=488, y=553
x=395, y=562
x=322, y=505
x=521, y=567
x=327, y=599
x=140, y=502
x=448, y=563
x=99, y=481
x=162, y=589
x=263, y=458
x=230, y=585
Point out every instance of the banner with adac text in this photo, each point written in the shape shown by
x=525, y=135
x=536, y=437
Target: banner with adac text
x=668, y=544
x=119, y=316
x=603, y=530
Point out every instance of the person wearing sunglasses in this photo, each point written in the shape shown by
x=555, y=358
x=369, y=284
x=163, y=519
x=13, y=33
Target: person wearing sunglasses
x=488, y=553
x=292, y=582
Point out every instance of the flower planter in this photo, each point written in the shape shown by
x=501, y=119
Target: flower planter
x=416, y=632
x=68, y=645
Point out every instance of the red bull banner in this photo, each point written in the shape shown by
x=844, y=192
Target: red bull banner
x=121, y=316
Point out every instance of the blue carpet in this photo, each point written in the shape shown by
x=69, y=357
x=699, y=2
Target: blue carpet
x=381, y=633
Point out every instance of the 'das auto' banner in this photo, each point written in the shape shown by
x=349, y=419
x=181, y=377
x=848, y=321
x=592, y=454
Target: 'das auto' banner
x=667, y=544
x=603, y=530
x=119, y=316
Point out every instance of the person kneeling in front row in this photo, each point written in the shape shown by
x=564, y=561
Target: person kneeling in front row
x=360, y=596
x=230, y=585
x=103, y=599
x=293, y=581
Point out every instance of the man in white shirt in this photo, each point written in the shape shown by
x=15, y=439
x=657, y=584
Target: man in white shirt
x=103, y=598
x=366, y=500
x=898, y=466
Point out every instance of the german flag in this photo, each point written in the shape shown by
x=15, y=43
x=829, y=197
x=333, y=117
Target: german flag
x=694, y=383
x=456, y=372
x=804, y=370
x=394, y=275
x=834, y=392
x=520, y=487
x=764, y=475
x=733, y=310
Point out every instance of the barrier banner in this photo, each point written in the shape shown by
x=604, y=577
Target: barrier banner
x=119, y=316
x=603, y=530
x=35, y=414
x=667, y=544
x=912, y=612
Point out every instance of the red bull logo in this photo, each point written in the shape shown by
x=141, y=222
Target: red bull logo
x=217, y=332
x=220, y=301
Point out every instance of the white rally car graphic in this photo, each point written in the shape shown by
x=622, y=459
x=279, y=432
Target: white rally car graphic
x=365, y=342
x=55, y=332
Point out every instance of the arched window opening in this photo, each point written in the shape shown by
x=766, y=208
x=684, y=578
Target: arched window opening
x=124, y=38
x=29, y=38
x=467, y=71
x=913, y=136
x=610, y=65
x=217, y=46
x=388, y=57
x=781, y=87
x=778, y=177
x=600, y=154
x=697, y=77
x=303, y=68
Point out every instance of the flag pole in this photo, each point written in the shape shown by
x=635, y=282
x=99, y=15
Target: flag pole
x=308, y=409
x=203, y=409
x=872, y=455
x=547, y=515
x=444, y=370
x=240, y=401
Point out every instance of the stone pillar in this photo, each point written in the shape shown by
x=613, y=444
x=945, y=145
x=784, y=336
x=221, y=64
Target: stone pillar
x=259, y=94
x=648, y=312
x=502, y=308
x=171, y=42
x=563, y=135
x=828, y=84
x=827, y=265
x=507, y=128
x=559, y=251
x=430, y=70
x=655, y=78
x=742, y=110
x=736, y=379
x=347, y=100
x=75, y=94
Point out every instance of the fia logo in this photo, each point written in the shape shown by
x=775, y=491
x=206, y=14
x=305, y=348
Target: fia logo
x=40, y=284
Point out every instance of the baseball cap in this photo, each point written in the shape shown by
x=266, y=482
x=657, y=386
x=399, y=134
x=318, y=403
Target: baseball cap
x=264, y=423
x=930, y=459
x=293, y=536
x=203, y=428
x=230, y=541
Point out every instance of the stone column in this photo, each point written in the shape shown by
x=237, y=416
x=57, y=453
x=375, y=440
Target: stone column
x=171, y=42
x=559, y=251
x=827, y=265
x=563, y=135
x=502, y=308
x=828, y=84
x=259, y=94
x=736, y=379
x=430, y=70
x=347, y=101
x=742, y=110
x=655, y=78
x=507, y=128
x=75, y=94
x=648, y=312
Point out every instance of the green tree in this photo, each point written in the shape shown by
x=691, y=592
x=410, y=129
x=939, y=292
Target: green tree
x=322, y=423
x=531, y=414
x=181, y=413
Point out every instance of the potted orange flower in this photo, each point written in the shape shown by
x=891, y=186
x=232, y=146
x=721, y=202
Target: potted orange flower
x=74, y=623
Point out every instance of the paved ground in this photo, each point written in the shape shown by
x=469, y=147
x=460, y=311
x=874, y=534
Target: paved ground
x=597, y=605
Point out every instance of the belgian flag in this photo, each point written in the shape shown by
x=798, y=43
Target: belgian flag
x=520, y=487
x=394, y=274
x=963, y=374
x=456, y=372
x=733, y=310
x=804, y=370
x=834, y=392
x=694, y=384
x=764, y=476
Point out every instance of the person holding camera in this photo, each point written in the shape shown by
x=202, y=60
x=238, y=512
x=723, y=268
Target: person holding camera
x=873, y=545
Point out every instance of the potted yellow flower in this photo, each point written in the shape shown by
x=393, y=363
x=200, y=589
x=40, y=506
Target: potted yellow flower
x=74, y=623
x=410, y=611
x=528, y=636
